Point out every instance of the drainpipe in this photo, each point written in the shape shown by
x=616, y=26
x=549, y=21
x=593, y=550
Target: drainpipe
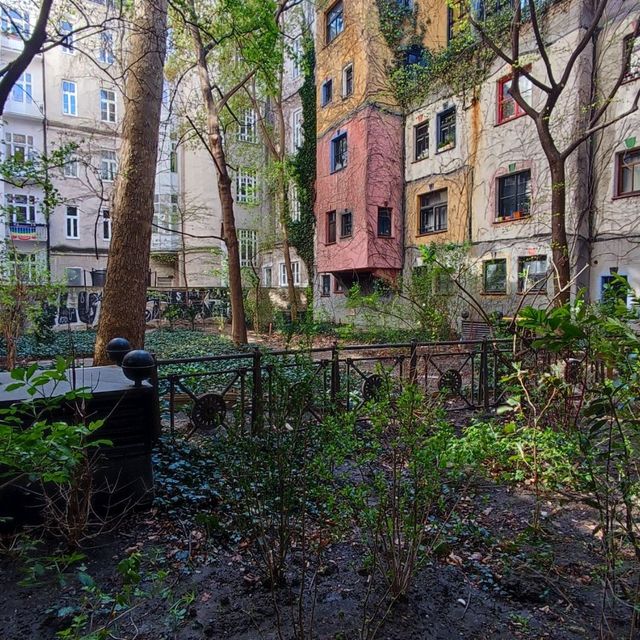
x=46, y=153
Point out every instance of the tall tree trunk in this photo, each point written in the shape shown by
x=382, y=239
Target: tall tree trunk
x=216, y=149
x=124, y=298
x=559, y=244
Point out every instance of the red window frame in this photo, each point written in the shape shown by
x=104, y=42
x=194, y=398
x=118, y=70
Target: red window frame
x=519, y=111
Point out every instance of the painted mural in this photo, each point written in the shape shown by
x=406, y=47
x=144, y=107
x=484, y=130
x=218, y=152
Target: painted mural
x=81, y=307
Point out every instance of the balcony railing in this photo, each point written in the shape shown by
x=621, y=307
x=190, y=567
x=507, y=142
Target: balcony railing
x=26, y=232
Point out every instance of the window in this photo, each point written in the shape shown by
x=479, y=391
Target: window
x=26, y=265
x=514, y=195
x=346, y=224
x=69, y=98
x=628, y=168
x=632, y=57
x=334, y=22
x=247, y=128
x=18, y=146
x=331, y=227
x=414, y=54
x=347, y=81
x=248, y=246
x=325, y=285
x=107, y=105
x=433, y=212
x=327, y=92
x=70, y=168
x=173, y=157
x=450, y=24
x=21, y=208
x=494, y=276
x=105, y=52
x=294, y=203
x=295, y=269
x=421, y=140
x=508, y=108
x=106, y=224
x=246, y=186
x=267, y=277
x=532, y=273
x=72, y=229
x=296, y=129
x=614, y=288
x=296, y=57
x=108, y=166
x=66, y=31
x=339, y=152
x=384, y=222
x=21, y=91
x=447, y=128
x=15, y=22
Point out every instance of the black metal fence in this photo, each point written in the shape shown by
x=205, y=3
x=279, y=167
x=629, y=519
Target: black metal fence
x=211, y=391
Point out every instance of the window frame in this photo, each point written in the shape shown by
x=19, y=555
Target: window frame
x=326, y=92
x=499, y=217
x=500, y=101
x=619, y=193
x=417, y=157
x=247, y=245
x=267, y=282
x=339, y=144
x=67, y=39
x=105, y=214
x=11, y=145
x=16, y=207
x=330, y=33
x=295, y=210
x=108, y=106
x=70, y=168
x=72, y=222
x=247, y=186
x=347, y=83
x=628, y=42
x=23, y=88
x=325, y=278
x=105, y=51
x=538, y=284
x=108, y=165
x=70, y=98
x=11, y=18
x=383, y=233
x=296, y=57
x=248, y=126
x=346, y=230
x=331, y=230
x=424, y=207
x=297, y=133
x=451, y=143
x=495, y=292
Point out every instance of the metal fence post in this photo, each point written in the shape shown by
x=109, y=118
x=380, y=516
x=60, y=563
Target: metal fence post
x=257, y=405
x=413, y=361
x=484, y=375
x=335, y=373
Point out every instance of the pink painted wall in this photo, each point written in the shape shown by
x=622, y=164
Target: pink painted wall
x=371, y=179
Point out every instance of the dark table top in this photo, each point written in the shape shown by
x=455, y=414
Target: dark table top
x=97, y=379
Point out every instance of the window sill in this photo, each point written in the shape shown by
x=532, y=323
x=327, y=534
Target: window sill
x=431, y=233
x=349, y=95
x=511, y=119
x=504, y=220
x=415, y=161
x=629, y=79
x=385, y=237
x=325, y=295
x=335, y=39
x=494, y=294
x=347, y=236
x=531, y=292
x=338, y=170
x=446, y=147
x=329, y=244
x=622, y=196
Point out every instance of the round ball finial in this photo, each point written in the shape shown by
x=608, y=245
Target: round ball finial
x=117, y=349
x=138, y=365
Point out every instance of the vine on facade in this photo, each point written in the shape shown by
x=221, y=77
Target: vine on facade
x=302, y=231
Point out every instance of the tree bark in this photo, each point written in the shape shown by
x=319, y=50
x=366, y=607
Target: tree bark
x=559, y=244
x=124, y=298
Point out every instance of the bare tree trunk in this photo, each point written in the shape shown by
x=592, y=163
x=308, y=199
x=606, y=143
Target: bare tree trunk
x=125, y=293
x=216, y=149
x=559, y=244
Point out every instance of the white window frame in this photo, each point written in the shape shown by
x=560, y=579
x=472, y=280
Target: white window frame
x=66, y=31
x=72, y=222
x=69, y=98
x=105, y=52
x=21, y=203
x=21, y=91
x=70, y=168
x=282, y=277
x=297, y=134
x=294, y=203
x=267, y=282
x=247, y=127
x=108, y=106
x=246, y=186
x=15, y=22
x=108, y=165
x=18, y=141
x=344, y=80
x=247, y=246
x=105, y=214
x=296, y=57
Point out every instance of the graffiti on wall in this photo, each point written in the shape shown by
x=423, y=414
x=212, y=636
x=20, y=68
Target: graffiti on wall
x=82, y=307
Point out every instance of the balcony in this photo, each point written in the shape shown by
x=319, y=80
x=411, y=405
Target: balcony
x=26, y=232
x=165, y=242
